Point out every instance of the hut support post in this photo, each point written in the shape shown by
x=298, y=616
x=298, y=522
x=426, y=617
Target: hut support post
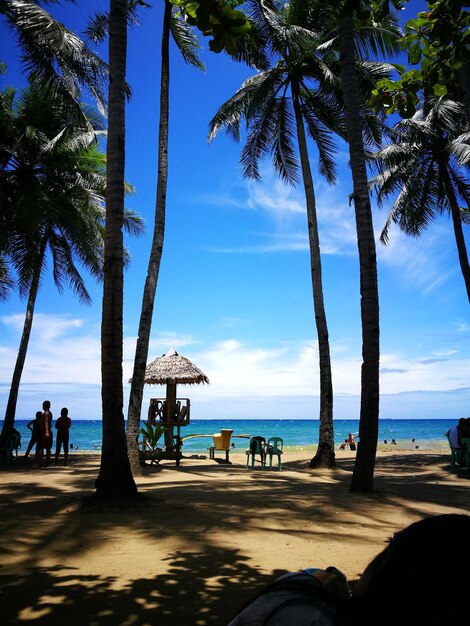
x=169, y=414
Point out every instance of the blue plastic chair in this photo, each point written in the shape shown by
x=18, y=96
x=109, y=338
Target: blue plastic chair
x=6, y=451
x=257, y=447
x=274, y=448
x=466, y=451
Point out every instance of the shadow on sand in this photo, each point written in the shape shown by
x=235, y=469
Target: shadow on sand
x=203, y=586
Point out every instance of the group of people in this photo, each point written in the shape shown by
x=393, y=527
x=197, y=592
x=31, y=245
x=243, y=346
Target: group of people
x=456, y=435
x=349, y=442
x=42, y=434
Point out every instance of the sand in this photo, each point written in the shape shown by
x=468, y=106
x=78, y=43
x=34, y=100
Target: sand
x=206, y=538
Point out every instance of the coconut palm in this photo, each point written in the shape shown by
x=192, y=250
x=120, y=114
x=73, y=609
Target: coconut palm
x=53, y=55
x=309, y=69
x=351, y=45
x=51, y=192
x=281, y=105
x=187, y=44
x=424, y=169
x=115, y=478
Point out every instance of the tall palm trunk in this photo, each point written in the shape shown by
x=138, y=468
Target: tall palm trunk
x=145, y=324
x=363, y=474
x=23, y=349
x=458, y=232
x=325, y=455
x=115, y=476
x=464, y=78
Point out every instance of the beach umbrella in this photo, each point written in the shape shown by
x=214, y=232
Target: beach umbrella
x=172, y=369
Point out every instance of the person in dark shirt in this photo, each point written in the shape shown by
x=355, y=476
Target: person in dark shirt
x=63, y=427
x=45, y=435
x=35, y=428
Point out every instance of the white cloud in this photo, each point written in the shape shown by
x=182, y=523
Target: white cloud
x=285, y=207
x=422, y=262
x=50, y=327
x=275, y=197
x=463, y=327
x=237, y=370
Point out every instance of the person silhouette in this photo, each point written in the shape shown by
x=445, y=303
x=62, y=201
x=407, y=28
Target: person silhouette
x=63, y=427
x=35, y=428
x=45, y=435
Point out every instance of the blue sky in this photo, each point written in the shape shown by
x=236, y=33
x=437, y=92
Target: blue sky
x=234, y=292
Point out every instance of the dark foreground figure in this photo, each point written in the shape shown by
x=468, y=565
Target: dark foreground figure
x=422, y=577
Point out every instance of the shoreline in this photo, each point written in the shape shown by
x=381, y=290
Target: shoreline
x=238, y=455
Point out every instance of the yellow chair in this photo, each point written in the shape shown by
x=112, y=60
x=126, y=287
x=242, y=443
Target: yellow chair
x=274, y=448
x=221, y=443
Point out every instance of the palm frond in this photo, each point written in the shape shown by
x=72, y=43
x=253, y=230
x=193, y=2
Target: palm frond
x=313, y=112
x=252, y=48
x=245, y=102
x=134, y=224
x=64, y=269
x=187, y=41
x=7, y=284
x=52, y=52
x=283, y=151
x=460, y=148
x=260, y=139
x=380, y=40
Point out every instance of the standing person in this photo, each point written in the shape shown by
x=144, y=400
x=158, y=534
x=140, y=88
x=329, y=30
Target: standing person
x=35, y=428
x=45, y=436
x=454, y=435
x=63, y=427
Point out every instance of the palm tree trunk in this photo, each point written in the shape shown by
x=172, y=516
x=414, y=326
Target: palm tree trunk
x=458, y=232
x=363, y=474
x=21, y=358
x=325, y=454
x=145, y=324
x=464, y=77
x=115, y=476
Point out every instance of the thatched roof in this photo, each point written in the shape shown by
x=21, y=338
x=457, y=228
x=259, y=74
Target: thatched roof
x=173, y=368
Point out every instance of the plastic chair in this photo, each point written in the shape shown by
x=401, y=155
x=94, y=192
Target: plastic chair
x=275, y=446
x=221, y=442
x=12, y=443
x=466, y=451
x=257, y=447
x=455, y=453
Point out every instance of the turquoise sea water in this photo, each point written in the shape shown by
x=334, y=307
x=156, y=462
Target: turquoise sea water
x=86, y=434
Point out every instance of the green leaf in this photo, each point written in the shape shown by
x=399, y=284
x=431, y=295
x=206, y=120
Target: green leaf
x=414, y=54
x=439, y=89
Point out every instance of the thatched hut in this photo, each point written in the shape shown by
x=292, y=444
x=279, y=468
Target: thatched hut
x=172, y=369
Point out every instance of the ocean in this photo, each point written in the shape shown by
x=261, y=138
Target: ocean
x=297, y=434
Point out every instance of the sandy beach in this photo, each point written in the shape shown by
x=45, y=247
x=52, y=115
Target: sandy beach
x=207, y=536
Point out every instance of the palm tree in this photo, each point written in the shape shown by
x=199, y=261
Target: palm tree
x=53, y=55
x=51, y=187
x=115, y=478
x=281, y=105
x=383, y=40
x=187, y=44
x=424, y=169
